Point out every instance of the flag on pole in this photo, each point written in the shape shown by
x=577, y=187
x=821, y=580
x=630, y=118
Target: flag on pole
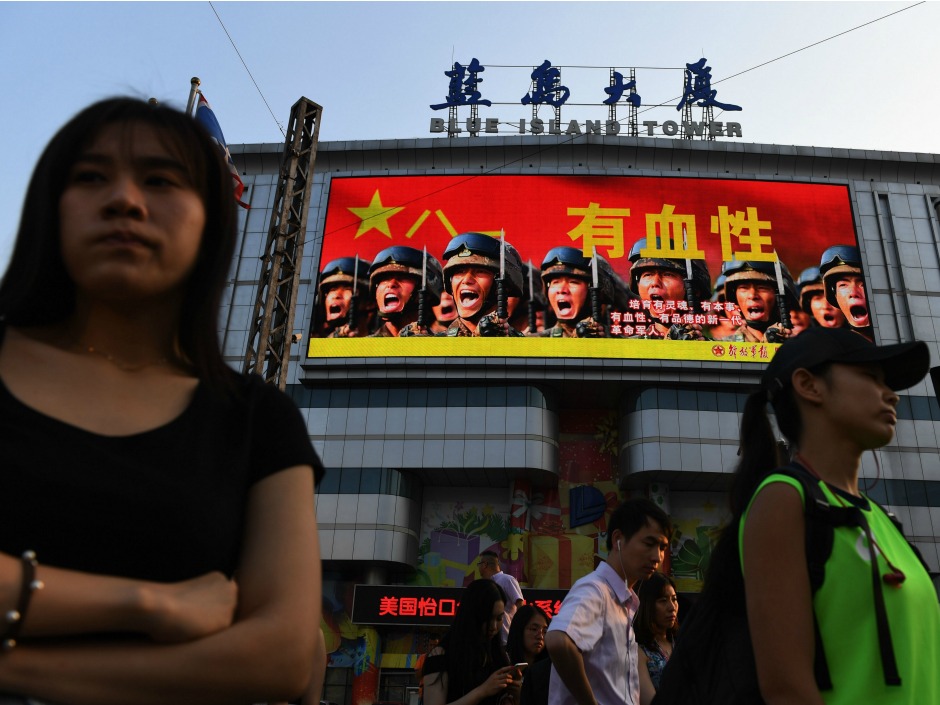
x=206, y=118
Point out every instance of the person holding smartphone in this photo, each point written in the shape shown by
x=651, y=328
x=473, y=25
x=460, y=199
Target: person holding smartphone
x=470, y=666
x=526, y=647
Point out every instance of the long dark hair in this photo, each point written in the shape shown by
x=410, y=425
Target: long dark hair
x=760, y=451
x=515, y=642
x=650, y=591
x=36, y=288
x=760, y=454
x=468, y=655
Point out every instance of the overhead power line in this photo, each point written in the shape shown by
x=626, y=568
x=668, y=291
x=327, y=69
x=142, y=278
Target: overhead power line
x=791, y=53
x=549, y=147
x=279, y=126
x=821, y=41
x=540, y=149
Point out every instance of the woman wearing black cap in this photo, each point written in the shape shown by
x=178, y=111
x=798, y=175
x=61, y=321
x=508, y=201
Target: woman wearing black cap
x=834, y=396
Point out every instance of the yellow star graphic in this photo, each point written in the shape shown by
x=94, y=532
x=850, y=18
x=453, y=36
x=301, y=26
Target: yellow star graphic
x=374, y=215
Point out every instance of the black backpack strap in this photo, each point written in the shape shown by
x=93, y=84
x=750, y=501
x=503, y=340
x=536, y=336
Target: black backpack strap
x=888, y=663
x=821, y=519
x=900, y=527
x=819, y=536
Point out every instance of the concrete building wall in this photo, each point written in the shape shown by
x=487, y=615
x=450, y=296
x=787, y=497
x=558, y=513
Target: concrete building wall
x=678, y=422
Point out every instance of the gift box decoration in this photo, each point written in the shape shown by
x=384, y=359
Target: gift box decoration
x=458, y=552
x=521, y=502
x=558, y=561
x=512, y=555
x=433, y=566
x=544, y=512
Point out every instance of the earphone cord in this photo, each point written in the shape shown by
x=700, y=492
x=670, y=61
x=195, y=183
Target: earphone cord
x=626, y=662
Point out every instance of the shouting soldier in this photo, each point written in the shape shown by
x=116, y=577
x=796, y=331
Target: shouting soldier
x=480, y=274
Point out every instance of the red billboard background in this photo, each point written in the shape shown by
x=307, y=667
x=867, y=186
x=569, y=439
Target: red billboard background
x=537, y=213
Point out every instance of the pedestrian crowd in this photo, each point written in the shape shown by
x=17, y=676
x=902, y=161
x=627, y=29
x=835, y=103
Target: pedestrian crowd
x=813, y=594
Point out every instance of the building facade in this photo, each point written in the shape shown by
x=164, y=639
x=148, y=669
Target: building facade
x=435, y=454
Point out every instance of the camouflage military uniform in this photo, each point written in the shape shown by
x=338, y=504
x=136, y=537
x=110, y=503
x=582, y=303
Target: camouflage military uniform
x=413, y=330
x=382, y=332
x=557, y=331
x=750, y=334
x=459, y=329
x=585, y=328
x=697, y=288
x=341, y=331
x=675, y=331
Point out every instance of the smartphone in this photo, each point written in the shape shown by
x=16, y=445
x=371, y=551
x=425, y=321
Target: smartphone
x=521, y=665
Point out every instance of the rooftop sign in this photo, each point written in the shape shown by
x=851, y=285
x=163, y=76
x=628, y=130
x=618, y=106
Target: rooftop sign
x=546, y=89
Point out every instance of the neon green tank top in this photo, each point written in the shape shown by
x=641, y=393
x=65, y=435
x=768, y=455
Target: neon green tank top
x=844, y=606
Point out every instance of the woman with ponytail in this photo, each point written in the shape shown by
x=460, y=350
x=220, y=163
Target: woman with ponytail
x=834, y=397
x=813, y=595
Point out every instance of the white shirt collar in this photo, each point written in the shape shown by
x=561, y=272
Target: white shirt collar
x=617, y=584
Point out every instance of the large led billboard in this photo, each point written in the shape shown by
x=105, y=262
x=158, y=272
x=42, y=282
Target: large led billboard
x=594, y=266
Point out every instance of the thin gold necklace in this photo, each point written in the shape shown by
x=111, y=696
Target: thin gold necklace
x=120, y=364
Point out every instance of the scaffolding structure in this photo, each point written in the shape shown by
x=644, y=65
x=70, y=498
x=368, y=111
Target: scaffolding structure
x=271, y=334
x=633, y=113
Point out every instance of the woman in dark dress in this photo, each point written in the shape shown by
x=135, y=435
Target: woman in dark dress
x=470, y=666
x=159, y=539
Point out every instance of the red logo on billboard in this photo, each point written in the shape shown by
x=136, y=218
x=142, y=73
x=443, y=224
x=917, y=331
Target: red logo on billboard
x=718, y=350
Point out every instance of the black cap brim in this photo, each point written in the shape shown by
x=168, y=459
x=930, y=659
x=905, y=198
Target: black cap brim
x=904, y=364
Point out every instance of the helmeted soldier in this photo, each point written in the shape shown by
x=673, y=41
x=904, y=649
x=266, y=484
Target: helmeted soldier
x=718, y=293
x=472, y=276
x=841, y=270
x=568, y=277
x=343, y=302
x=664, y=282
x=395, y=280
x=813, y=300
x=527, y=313
x=445, y=313
x=724, y=327
x=800, y=318
x=753, y=287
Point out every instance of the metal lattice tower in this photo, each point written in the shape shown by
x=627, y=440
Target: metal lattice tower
x=685, y=134
x=632, y=112
x=270, y=336
x=686, y=109
x=612, y=108
x=452, y=121
x=708, y=116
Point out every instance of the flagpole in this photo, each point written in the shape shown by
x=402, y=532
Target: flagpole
x=193, y=90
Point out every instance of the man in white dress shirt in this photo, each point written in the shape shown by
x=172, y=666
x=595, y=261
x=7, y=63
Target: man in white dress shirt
x=591, y=639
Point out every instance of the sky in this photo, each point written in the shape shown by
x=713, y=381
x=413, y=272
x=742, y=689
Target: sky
x=376, y=67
